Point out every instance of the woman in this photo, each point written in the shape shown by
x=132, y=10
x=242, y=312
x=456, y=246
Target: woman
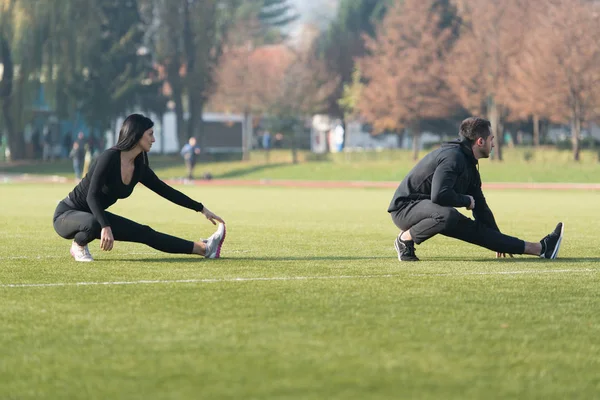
x=82, y=215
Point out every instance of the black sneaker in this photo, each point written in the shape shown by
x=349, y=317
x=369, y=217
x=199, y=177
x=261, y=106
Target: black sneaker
x=551, y=243
x=405, y=249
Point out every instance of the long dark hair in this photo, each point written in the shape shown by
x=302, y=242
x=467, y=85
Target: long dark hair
x=131, y=132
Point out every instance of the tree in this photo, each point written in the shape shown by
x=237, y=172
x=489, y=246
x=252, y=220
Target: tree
x=273, y=16
x=405, y=69
x=6, y=83
x=21, y=50
x=188, y=41
x=557, y=75
x=118, y=72
x=250, y=71
x=351, y=94
x=343, y=41
x=303, y=91
x=490, y=40
x=285, y=84
x=247, y=80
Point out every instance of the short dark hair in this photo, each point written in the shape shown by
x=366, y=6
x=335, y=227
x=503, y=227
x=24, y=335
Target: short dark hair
x=474, y=128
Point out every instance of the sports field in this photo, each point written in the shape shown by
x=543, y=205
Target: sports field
x=309, y=302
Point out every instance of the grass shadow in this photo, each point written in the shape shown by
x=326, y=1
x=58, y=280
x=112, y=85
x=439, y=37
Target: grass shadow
x=58, y=167
x=240, y=172
x=517, y=259
x=201, y=259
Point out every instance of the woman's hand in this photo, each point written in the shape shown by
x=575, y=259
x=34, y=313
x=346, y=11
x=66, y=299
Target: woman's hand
x=106, y=239
x=211, y=216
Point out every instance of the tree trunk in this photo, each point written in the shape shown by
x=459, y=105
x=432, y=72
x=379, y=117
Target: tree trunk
x=178, y=99
x=401, y=138
x=416, y=136
x=195, y=126
x=494, y=118
x=161, y=118
x=193, y=89
x=16, y=142
x=544, y=126
x=193, y=116
x=246, y=136
x=500, y=142
x=293, y=144
x=575, y=134
x=536, y=130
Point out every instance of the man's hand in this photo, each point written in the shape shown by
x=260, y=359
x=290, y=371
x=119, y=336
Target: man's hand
x=212, y=217
x=503, y=255
x=106, y=239
x=472, y=205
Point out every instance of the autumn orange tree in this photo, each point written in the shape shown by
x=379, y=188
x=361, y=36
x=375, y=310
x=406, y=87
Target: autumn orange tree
x=404, y=71
x=557, y=75
x=491, y=39
x=526, y=85
x=304, y=90
x=283, y=82
x=248, y=77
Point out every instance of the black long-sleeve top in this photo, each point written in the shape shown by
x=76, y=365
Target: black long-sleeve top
x=103, y=186
x=446, y=176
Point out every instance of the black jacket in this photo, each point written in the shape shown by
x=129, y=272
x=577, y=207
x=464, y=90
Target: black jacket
x=103, y=186
x=446, y=176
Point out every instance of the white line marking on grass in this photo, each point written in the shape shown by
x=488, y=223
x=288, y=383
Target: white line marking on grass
x=530, y=272
x=283, y=278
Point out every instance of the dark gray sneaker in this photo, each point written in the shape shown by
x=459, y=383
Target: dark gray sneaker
x=551, y=243
x=405, y=249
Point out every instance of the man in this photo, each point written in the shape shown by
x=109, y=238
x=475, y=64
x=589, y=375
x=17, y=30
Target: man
x=424, y=203
x=189, y=153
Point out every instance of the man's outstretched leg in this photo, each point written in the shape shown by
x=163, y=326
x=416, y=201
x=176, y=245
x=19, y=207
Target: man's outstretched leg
x=476, y=233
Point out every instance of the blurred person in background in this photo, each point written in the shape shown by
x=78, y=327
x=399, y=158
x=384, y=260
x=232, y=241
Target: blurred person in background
x=82, y=215
x=190, y=152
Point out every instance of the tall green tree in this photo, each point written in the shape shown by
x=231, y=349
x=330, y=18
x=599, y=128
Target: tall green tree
x=187, y=42
x=188, y=38
x=6, y=85
x=343, y=41
x=21, y=42
x=118, y=74
x=274, y=16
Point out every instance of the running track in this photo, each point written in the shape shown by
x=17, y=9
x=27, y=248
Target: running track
x=5, y=178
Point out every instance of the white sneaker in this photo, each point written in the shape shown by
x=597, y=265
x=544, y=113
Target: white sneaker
x=215, y=242
x=81, y=253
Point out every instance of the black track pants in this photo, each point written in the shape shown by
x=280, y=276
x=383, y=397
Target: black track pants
x=426, y=219
x=83, y=227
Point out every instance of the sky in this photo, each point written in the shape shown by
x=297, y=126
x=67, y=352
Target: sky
x=318, y=12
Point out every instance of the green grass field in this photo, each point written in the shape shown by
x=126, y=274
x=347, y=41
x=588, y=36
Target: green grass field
x=309, y=302
x=519, y=165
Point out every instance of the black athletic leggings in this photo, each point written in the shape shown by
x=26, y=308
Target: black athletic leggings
x=426, y=219
x=83, y=227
